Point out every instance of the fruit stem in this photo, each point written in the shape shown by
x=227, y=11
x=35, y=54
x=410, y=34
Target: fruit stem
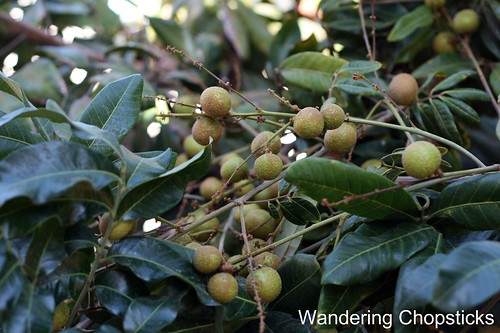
x=418, y=131
x=339, y=231
x=263, y=113
x=400, y=121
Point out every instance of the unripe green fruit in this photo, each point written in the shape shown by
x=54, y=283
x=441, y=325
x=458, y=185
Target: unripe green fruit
x=193, y=245
x=231, y=166
x=268, y=166
x=204, y=128
x=203, y=232
x=266, y=194
x=185, y=109
x=259, y=223
x=267, y=259
x=340, y=140
x=191, y=147
x=228, y=157
x=215, y=102
x=403, y=89
x=333, y=115
x=267, y=282
x=444, y=42
x=119, y=230
x=421, y=159
x=61, y=316
x=308, y=123
x=435, y=3
x=465, y=21
x=258, y=146
x=371, y=162
x=246, y=209
x=241, y=190
x=207, y=259
x=254, y=244
x=223, y=287
x=181, y=158
x=209, y=186
x=184, y=239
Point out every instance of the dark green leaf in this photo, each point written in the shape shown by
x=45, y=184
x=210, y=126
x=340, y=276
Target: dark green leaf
x=284, y=42
x=256, y=28
x=417, y=44
x=79, y=237
x=280, y=322
x=355, y=87
x=452, y=80
x=460, y=109
x=301, y=283
x=15, y=135
x=115, y=109
x=151, y=259
x=299, y=211
x=243, y=305
x=445, y=121
x=473, y=203
x=11, y=87
x=468, y=277
x=310, y=70
x=468, y=94
x=446, y=64
x=418, y=18
x=335, y=181
x=361, y=67
x=360, y=258
x=495, y=79
x=45, y=171
x=11, y=279
x=172, y=34
x=235, y=32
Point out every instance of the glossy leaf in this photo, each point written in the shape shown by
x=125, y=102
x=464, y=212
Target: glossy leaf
x=360, y=258
x=115, y=109
x=45, y=171
x=12, y=88
x=468, y=94
x=418, y=18
x=445, y=121
x=473, y=203
x=153, y=260
x=299, y=211
x=468, y=277
x=461, y=109
x=452, y=80
x=445, y=64
x=301, y=283
x=361, y=67
x=334, y=181
x=310, y=70
x=15, y=135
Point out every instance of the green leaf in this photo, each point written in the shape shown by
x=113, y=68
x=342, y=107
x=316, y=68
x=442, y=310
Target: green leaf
x=283, y=42
x=115, y=109
x=256, y=28
x=418, y=18
x=445, y=64
x=301, y=283
x=452, y=80
x=45, y=171
x=162, y=193
x=11, y=279
x=355, y=87
x=445, y=121
x=235, y=32
x=495, y=79
x=116, y=290
x=361, y=67
x=473, y=203
x=173, y=34
x=371, y=251
x=468, y=94
x=154, y=260
x=413, y=47
x=15, y=135
x=299, y=211
x=288, y=249
x=12, y=88
x=461, y=109
x=468, y=277
x=311, y=70
x=243, y=305
x=335, y=181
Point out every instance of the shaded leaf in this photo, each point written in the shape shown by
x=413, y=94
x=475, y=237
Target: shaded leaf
x=452, y=80
x=460, y=109
x=468, y=94
x=445, y=121
x=15, y=135
x=334, y=181
x=279, y=322
x=243, y=305
x=11, y=279
x=473, y=203
x=288, y=249
x=360, y=258
x=283, y=42
x=256, y=28
x=11, y=87
x=355, y=87
x=494, y=79
x=171, y=33
x=361, y=67
x=235, y=32
x=299, y=211
x=446, y=64
x=418, y=18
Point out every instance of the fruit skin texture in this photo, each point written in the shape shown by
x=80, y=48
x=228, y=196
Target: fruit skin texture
x=444, y=42
x=215, y=102
x=268, y=166
x=254, y=244
x=223, y=287
x=308, y=123
x=241, y=191
x=403, y=89
x=202, y=232
x=421, y=159
x=259, y=223
x=227, y=169
x=434, y=4
x=207, y=259
x=204, y=128
x=191, y=147
x=119, y=230
x=258, y=143
x=267, y=259
x=266, y=194
x=340, y=140
x=61, y=316
x=333, y=115
x=246, y=209
x=209, y=186
x=465, y=21
x=267, y=283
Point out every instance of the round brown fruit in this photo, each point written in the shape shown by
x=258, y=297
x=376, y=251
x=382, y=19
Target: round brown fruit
x=403, y=89
x=215, y=102
x=267, y=259
x=434, y=4
x=204, y=128
x=259, y=223
x=191, y=147
x=308, y=123
x=340, y=140
x=209, y=186
x=259, y=143
x=333, y=115
x=444, y=42
x=231, y=166
x=421, y=159
x=465, y=21
x=223, y=287
x=207, y=259
x=61, y=316
x=267, y=282
x=268, y=166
